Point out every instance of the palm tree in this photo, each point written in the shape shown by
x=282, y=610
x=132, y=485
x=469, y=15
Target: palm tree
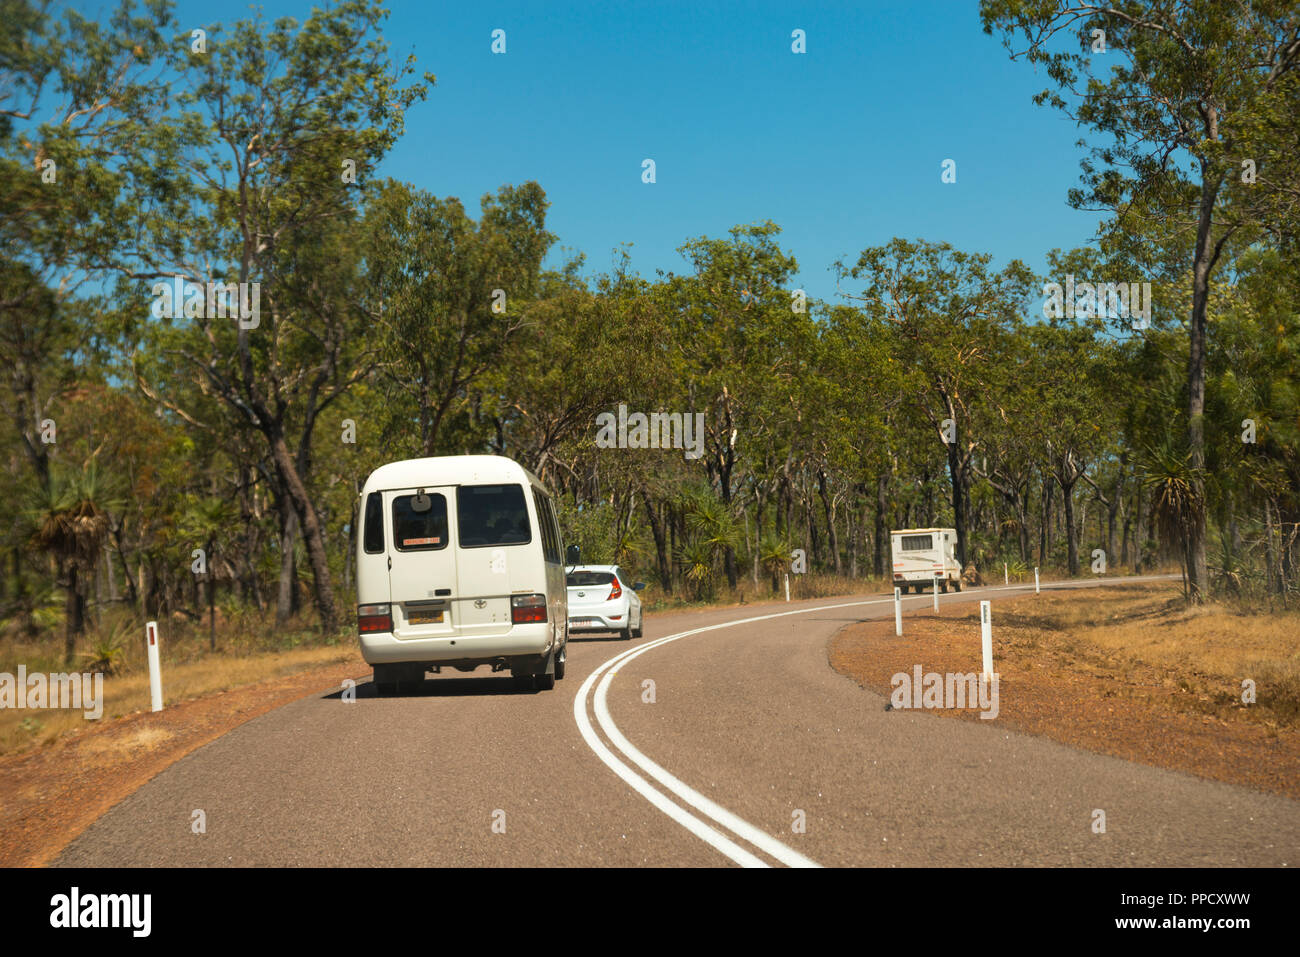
x=773, y=555
x=696, y=558
x=71, y=522
x=1174, y=484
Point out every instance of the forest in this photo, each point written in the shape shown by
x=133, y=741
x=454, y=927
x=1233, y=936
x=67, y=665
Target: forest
x=217, y=317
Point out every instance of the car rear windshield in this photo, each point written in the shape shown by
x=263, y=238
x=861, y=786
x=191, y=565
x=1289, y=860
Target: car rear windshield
x=588, y=579
x=917, y=543
x=416, y=529
x=492, y=515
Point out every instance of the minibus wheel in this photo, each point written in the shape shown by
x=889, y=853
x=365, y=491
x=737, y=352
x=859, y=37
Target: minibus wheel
x=560, y=660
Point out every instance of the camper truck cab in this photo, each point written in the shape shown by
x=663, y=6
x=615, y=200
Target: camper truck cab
x=920, y=554
x=459, y=564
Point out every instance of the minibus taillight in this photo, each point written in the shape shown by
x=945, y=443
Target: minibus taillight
x=374, y=618
x=616, y=591
x=526, y=609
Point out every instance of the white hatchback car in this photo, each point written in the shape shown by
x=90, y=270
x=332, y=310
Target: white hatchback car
x=600, y=599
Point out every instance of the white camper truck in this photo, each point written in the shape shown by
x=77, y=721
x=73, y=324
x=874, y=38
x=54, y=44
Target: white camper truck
x=459, y=564
x=922, y=553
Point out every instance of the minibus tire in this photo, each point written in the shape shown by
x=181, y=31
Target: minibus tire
x=561, y=660
x=626, y=633
x=957, y=585
x=544, y=682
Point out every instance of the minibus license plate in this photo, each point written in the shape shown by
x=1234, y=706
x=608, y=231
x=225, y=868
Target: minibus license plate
x=424, y=617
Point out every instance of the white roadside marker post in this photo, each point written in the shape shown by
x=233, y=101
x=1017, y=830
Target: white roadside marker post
x=898, y=613
x=787, y=587
x=1035, y=579
x=936, y=591
x=986, y=639
x=1006, y=577
x=155, y=674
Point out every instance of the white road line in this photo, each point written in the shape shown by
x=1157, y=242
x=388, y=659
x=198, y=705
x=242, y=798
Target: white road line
x=715, y=839
x=700, y=829
x=741, y=828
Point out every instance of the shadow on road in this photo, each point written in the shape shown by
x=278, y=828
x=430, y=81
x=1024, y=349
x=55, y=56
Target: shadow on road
x=434, y=686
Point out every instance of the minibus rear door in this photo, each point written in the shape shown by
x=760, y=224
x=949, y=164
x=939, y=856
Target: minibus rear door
x=422, y=574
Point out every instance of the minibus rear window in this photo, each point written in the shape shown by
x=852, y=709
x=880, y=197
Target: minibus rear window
x=492, y=515
x=415, y=530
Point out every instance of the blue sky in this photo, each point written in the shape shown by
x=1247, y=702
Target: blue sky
x=842, y=146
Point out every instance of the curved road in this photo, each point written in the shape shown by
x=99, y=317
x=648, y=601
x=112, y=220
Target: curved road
x=748, y=734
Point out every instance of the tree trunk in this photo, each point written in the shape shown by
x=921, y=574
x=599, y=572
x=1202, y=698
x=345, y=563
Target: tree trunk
x=832, y=538
x=288, y=538
x=1071, y=532
x=1045, y=529
x=661, y=546
x=881, y=529
x=1197, y=583
x=311, y=530
x=957, y=474
x=75, y=611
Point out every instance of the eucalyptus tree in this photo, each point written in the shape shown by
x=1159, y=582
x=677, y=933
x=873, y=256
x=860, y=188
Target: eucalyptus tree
x=733, y=314
x=949, y=315
x=450, y=295
x=1193, y=100
x=257, y=190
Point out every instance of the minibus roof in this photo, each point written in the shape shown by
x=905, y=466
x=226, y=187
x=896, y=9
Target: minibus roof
x=449, y=470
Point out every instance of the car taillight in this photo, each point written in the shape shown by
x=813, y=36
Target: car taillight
x=615, y=592
x=374, y=618
x=526, y=609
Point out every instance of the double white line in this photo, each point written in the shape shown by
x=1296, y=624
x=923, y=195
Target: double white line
x=600, y=680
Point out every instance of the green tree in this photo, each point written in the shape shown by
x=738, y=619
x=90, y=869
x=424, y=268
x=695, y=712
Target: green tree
x=1186, y=95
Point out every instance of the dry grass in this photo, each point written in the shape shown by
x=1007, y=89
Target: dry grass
x=1206, y=651
x=187, y=672
x=1125, y=670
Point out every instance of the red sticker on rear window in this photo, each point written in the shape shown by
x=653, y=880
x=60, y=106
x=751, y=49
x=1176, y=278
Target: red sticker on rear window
x=407, y=542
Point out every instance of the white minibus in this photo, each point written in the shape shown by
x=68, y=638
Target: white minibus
x=460, y=564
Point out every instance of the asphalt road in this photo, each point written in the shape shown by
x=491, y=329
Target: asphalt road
x=749, y=735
